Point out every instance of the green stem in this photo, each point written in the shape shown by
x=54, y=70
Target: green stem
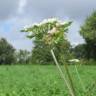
x=70, y=78
x=81, y=82
x=72, y=92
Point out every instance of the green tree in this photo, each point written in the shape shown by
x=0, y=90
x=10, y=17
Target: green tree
x=22, y=56
x=88, y=31
x=6, y=52
x=79, y=51
x=41, y=54
x=62, y=51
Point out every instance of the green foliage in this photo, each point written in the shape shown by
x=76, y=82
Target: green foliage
x=88, y=31
x=48, y=34
x=41, y=54
x=6, y=52
x=39, y=80
x=62, y=52
x=22, y=56
x=79, y=51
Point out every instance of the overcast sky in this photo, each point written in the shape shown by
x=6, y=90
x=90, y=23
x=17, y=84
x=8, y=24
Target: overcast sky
x=15, y=14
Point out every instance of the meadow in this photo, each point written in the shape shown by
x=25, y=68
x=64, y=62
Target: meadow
x=43, y=80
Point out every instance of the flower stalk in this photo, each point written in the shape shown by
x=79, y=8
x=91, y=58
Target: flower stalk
x=68, y=84
x=80, y=80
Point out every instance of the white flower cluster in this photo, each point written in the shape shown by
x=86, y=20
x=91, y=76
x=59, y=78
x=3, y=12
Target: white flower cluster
x=50, y=20
x=43, y=22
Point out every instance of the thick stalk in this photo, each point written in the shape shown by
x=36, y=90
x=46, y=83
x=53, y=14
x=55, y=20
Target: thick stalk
x=70, y=78
x=62, y=75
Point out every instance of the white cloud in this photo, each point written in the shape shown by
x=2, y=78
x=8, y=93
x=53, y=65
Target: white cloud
x=22, y=4
x=73, y=35
x=18, y=13
x=75, y=9
x=8, y=8
x=14, y=36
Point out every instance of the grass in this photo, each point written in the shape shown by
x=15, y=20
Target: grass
x=40, y=80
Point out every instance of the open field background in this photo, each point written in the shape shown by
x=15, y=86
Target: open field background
x=40, y=80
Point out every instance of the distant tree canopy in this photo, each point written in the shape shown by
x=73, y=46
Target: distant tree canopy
x=88, y=31
x=41, y=53
x=6, y=52
x=22, y=56
x=79, y=51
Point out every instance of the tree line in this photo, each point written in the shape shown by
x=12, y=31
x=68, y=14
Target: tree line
x=9, y=55
x=41, y=55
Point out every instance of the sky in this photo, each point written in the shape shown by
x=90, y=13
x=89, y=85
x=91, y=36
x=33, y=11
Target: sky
x=15, y=14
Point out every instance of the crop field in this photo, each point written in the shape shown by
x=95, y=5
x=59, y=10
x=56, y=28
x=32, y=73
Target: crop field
x=40, y=80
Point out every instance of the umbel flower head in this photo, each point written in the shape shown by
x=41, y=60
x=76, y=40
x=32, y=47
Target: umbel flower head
x=51, y=31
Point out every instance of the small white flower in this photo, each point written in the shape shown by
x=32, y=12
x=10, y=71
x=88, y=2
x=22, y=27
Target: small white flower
x=62, y=23
x=29, y=26
x=50, y=20
x=37, y=24
x=74, y=60
x=52, y=31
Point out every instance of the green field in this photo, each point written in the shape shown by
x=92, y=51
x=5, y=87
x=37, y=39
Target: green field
x=40, y=80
